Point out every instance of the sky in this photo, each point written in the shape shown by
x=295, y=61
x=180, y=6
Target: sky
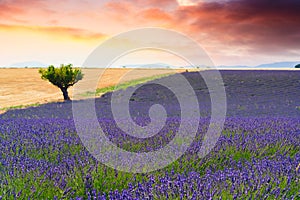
x=232, y=32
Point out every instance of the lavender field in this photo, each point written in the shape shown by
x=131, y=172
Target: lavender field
x=256, y=157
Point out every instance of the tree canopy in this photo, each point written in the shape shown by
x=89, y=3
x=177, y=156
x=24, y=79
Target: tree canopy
x=62, y=77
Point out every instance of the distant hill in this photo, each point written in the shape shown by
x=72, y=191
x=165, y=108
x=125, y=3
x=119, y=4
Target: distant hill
x=150, y=66
x=232, y=67
x=276, y=65
x=160, y=66
x=29, y=64
x=279, y=65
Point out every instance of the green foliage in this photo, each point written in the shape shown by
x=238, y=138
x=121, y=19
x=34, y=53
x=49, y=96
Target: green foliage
x=62, y=77
x=297, y=66
x=19, y=107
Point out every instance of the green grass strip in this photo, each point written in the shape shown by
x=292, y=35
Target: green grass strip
x=19, y=107
x=124, y=85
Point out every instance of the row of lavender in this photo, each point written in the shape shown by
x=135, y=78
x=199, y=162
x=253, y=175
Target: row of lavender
x=41, y=156
x=253, y=158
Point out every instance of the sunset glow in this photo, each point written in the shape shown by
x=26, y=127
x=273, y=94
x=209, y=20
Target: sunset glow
x=243, y=32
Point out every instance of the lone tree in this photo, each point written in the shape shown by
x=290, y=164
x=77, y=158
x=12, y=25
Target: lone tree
x=297, y=66
x=62, y=77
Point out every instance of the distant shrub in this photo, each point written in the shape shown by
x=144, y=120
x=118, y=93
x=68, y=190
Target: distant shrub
x=297, y=66
x=62, y=77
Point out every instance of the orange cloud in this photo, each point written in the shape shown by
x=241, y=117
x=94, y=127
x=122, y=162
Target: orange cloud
x=56, y=31
x=155, y=14
x=120, y=8
x=6, y=12
x=163, y=4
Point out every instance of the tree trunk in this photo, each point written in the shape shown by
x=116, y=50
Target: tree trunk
x=65, y=93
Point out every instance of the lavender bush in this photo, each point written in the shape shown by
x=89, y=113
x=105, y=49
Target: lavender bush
x=41, y=156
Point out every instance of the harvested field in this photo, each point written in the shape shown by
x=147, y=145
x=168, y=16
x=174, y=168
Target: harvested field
x=25, y=87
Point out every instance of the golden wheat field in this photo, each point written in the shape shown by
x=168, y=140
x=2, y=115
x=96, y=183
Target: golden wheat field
x=24, y=86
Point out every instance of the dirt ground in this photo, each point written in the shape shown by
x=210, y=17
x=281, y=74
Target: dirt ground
x=25, y=87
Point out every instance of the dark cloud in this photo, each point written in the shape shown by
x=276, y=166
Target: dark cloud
x=266, y=25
